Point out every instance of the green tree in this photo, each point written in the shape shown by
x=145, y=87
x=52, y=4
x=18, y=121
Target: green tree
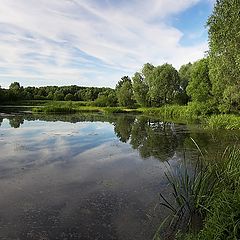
x=15, y=91
x=106, y=99
x=124, y=92
x=185, y=77
x=163, y=84
x=224, y=44
x=14, y=86
x=140, y=89
x=58, y=96
x=199, y=87
x=69, y=97
x=141, y=85
x=147, y=70
x=1, y=95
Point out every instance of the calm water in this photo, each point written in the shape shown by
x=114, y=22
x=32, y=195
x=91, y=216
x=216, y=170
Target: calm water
x=91, y=176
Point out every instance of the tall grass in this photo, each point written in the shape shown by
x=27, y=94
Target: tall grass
x=173, y=112
x=225, y=121
x=210, y=192
x=72, y=107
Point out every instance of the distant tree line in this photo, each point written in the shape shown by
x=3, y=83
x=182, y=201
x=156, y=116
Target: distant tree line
x=65, y=93
x=211, y=84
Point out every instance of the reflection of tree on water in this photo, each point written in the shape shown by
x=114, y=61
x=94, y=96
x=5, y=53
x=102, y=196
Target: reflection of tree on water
x=155, y=139
x=151, y=138
x=16, y=121
x=1, y=120
x=123, y=127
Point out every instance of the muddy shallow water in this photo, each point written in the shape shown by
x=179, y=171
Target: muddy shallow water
x=90, y=176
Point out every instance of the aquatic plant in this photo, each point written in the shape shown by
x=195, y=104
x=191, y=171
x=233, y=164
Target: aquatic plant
x=191, y=187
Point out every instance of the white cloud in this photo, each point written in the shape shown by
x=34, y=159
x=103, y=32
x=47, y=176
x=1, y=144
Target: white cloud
x=89, y=42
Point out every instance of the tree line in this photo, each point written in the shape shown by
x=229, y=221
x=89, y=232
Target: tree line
x=15, y=92
x=210, y=84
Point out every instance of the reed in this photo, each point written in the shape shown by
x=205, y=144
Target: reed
x=209, y=192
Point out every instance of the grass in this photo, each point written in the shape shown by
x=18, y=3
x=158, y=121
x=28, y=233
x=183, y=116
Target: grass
x=226, y=121
x=176, y=113
x=173, y=112
x=73, y=107
x=212, y=193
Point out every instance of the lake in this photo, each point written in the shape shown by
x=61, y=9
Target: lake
x=92, y=176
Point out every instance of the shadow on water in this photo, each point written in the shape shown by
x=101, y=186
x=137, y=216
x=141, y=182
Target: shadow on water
x=90, y=176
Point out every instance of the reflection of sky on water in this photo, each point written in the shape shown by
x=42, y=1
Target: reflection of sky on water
x=38, y=142
x=61, y=179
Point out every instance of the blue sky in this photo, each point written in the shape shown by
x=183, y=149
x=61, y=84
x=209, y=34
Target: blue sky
x=96, y=42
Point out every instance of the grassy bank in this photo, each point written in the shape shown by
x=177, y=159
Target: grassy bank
x=212, y=193
x=190, y=114
x=186, y=114
x=73, y=107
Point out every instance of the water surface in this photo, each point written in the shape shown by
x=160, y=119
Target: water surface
x=90, y=176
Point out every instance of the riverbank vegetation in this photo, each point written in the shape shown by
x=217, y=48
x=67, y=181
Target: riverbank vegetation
x=206, y=198
x=73, y=107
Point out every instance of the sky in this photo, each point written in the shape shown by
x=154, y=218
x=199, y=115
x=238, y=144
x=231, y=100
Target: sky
x=96, y=42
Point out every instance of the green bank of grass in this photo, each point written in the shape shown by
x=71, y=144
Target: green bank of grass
x=73, y=107
x=193, y=113
x=212, y=194
x=175, y=112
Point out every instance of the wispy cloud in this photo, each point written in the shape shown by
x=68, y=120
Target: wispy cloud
x=88, y=42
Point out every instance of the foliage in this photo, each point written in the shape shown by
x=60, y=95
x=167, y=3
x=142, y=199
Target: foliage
x=163, y=85
x=224, y=44
x=106, y=99
x=217, y=198
x=67, y=93
x=69, y=97
x=124, y=92
x=199, y=87
x=140, y=89
x=174, y=112
x=185, y=77
x=202, y=109
x=230, y=122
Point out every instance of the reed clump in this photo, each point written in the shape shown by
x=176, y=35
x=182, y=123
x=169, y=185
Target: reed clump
x=210, y=193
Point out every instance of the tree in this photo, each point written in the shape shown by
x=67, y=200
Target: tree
x=199, y=87
x=58, y=96
x=140, y=89
x=163, y=84
x=224, y=44
x=14, y=92
x=147, y=70
x=1, y=95
x=106, y=99
x=124, y=92
x=185, y=77
x=14, y=86
x=69, y=97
